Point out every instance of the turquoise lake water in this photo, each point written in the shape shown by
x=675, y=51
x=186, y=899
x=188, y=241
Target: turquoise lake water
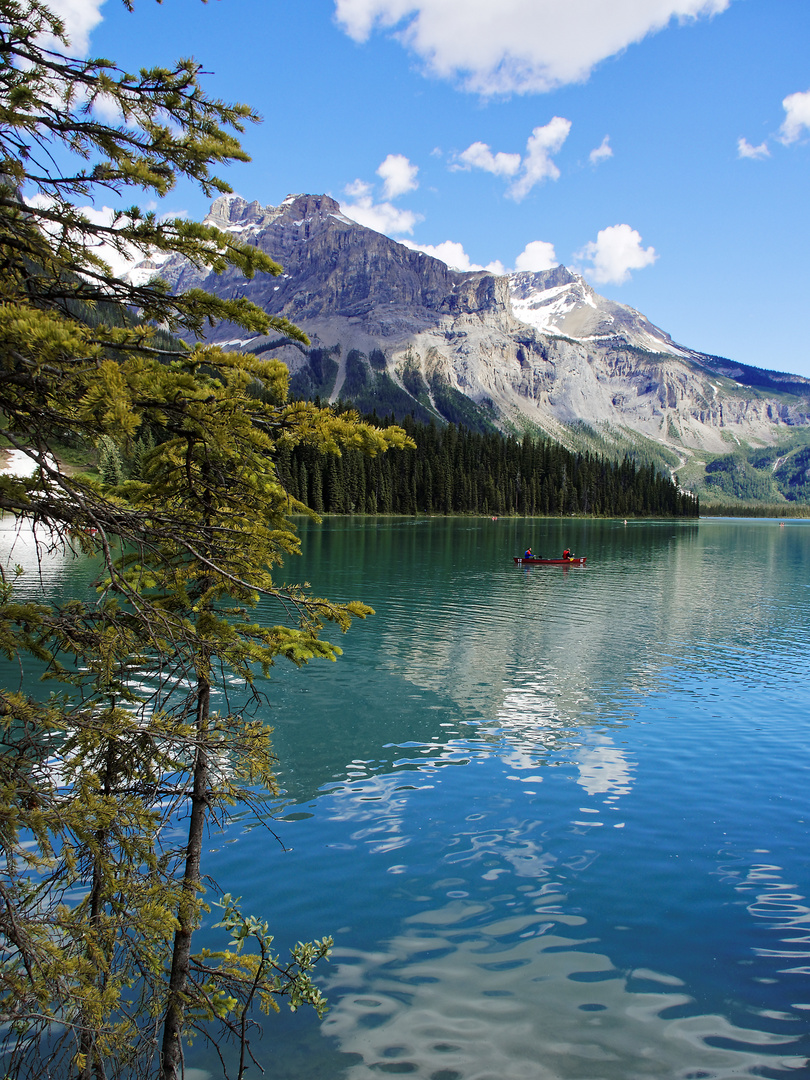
x=556, y=819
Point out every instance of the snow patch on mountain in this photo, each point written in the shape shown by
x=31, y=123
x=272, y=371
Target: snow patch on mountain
x=139, y=273
x=559, y=302
x=538, y=351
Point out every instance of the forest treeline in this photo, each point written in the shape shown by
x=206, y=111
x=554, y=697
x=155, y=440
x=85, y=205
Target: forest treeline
x=760, y=510
x=454, y=470
x=765, y=474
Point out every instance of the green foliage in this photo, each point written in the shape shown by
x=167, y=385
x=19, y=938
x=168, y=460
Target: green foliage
x=119, y=462
x=757, y=510
x=357, y=374
x=261, y=971
x=317, y=378
x=371, y=390
x=455, y=470
x=415, y=384
x=203, y=526
x=769, y=475
x=457, y=408
x=792, y=475
x=52, y=254
x=734, y=476
x=110, y=461
x=133, y=738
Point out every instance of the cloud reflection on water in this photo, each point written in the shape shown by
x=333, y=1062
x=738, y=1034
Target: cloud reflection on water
x=467, y=993
x=497, y=976
x=44, y=565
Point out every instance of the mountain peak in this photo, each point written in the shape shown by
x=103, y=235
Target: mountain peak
x=232, y=213
x=543, y=279
x=308, y=206
x=531, y=350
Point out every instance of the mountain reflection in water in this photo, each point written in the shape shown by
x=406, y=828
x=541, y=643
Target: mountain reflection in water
x=556, y=819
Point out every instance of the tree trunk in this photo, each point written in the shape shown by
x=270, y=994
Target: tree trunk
x=93, y=1065
x=172, y=1052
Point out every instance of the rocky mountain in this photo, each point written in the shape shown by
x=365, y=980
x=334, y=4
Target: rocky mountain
x=398, y=329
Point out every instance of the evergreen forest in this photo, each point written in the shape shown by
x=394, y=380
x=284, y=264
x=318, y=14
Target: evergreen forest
x=454, y=470
x=769, y=474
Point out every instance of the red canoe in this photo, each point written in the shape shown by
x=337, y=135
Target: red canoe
x=577, y=560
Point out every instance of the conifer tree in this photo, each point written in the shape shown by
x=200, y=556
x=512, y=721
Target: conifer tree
x=98, y=904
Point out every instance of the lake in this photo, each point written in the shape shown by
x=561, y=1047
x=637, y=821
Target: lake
x=556, y=818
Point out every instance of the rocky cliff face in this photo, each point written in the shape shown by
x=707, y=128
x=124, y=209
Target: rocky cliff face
x=541, y=351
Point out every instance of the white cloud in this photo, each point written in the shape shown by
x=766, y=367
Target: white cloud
x=601, y=152
x=746, y=150
x=382, y=217
x=453, y=253
x=517, y=46
x=537, y=165
x=399, y=176
x=358, y=189
x=118, y=261
x=107, y=110
x=80, y=17
x=797, y=116
x=536, y=256
x=616, y=251
x=479, y=156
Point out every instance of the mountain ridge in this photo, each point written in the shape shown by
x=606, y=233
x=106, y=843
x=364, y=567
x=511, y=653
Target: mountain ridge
x=528, y=351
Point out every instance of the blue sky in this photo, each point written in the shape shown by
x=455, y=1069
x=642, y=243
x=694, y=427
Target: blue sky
x=661, y=147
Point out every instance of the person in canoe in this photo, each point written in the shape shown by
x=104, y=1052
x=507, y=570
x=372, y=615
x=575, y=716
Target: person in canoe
x=527, y=554
x=567, y=555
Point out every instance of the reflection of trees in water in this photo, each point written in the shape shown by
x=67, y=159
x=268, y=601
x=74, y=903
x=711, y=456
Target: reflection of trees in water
x=536, y=657
x=653, y=607
x=499, y=974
